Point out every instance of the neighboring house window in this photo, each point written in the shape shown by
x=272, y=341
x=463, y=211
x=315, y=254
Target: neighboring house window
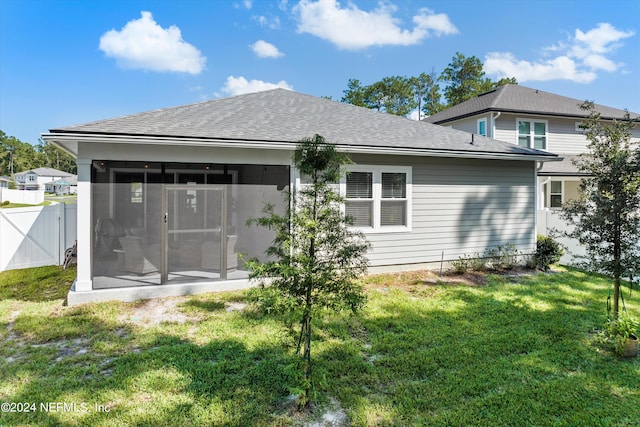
x=378, y=198
x=532, y=134
x=136, y=192
x=482, y=127
x=555, y=195
x=32, y=178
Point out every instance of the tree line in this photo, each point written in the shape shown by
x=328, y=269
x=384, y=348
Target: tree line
x=18, y=156
x=464, y=78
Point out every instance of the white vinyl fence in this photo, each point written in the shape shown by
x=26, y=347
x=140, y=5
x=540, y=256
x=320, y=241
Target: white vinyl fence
x=30, y=197
x=36, y=236
x=549, y=221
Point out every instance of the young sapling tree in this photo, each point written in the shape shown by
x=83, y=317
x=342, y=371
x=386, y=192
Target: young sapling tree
x=315, y=259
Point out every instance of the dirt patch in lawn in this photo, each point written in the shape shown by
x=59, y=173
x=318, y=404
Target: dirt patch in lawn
x=410, y=281
x=156, y=311
x=472, y=278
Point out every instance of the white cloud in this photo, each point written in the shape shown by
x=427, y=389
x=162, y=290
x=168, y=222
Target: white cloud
x=247, y=4
x=602, y=39
x=272, y=22
x=417, y=115
x=143, y=44
x=352, y=28
x=239, y=85
x=578, y=59
x=560, y=68
x=265, y=50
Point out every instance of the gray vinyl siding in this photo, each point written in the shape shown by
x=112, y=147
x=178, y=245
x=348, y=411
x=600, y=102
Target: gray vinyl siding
x=505, y=129
x=467, y=125
x=459, y=206
x=562, y=136
x=470, y=124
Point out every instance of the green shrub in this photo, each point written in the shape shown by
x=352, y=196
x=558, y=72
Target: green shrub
x=504, y=257
x=548, y=252
x=478, y=263
x=461, y=265
x=620, y=329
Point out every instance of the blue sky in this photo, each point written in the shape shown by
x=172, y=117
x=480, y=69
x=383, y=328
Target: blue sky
x=67, y=62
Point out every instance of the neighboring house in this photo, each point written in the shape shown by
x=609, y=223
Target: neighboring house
x=4, y=182
x=164, y=196
x=68, y=185
x=36, y=179
x=536, y=119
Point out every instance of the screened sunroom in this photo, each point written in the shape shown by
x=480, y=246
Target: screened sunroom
x=170, y=223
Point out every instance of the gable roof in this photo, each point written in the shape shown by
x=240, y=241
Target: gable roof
x=46, y=172
x=280, y=118
x=520, y=99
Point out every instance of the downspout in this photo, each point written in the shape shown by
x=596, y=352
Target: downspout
x=540, y=185
x=493, y=124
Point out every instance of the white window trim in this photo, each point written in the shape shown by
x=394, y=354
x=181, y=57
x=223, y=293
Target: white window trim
x=562, y=194
x=532, y=132
x=377, y=171
x=478, y=126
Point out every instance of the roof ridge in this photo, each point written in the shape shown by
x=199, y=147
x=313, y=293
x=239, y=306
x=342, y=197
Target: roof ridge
x=174, y=108
x=500, y=90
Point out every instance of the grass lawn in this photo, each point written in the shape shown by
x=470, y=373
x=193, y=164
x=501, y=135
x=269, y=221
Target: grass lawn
x=24, y=205
x=520, y=351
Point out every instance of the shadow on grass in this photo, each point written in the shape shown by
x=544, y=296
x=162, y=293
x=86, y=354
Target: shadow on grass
x=37, y=284
x=166, y=381
x=207, y=306
x=503, y=354
x=517, y=352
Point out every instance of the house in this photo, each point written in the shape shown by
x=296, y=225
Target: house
x=4, y=182
x=36, y=179
x=532, y=118
x=164, y=196
x=68, y=185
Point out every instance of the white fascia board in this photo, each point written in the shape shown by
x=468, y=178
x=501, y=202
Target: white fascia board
x=146, y=140
x=61, y=138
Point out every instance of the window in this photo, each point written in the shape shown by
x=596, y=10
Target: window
x=555, y=194
x=482, y=127
x=393, y=203
x=532, y=134
x=378, y=198
x=136, y=192
x=359, y=192
x=32, y=178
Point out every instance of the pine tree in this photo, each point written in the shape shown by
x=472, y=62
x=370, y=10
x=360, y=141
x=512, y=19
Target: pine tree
x=606, y=216
x=315, y=259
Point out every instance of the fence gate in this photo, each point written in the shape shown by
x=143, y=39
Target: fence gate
x=36, y=236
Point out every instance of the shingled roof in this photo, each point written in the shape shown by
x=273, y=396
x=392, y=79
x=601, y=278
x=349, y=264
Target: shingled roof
x=566, y=167
x=46, y=172
x=511, y=98
x=278, y=116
